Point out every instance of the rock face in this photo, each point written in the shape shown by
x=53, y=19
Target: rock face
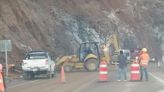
x=59, y=26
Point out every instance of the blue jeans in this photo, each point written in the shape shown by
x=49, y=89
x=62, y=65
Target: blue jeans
x=122, y=73
x=143, y=71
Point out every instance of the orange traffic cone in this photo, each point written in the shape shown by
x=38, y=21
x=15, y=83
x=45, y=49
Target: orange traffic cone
x=62, y=75
x=2, y=88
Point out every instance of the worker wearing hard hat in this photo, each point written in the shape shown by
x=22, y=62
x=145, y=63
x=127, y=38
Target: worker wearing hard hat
x=144, y=60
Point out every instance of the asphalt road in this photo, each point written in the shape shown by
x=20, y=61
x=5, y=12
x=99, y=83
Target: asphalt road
x=89, y=82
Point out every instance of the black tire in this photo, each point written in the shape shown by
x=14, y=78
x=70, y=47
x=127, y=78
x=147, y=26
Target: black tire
x=28, y=75
x=68, y=68
x=32, y=76
x=55, y=73
x=91, y=64
x=49, y=76
x=25, y=76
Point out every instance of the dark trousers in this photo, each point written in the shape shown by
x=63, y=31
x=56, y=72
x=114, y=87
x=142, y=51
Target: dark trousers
x=122, y=74
x=144, y=73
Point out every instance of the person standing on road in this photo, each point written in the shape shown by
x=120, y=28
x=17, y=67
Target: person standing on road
x=122, y=64
x=144, y=60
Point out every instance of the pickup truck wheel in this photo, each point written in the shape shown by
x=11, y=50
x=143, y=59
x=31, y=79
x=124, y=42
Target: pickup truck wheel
x=27, y=76
x=54, y=74
x=32, y=76
x=49, y=76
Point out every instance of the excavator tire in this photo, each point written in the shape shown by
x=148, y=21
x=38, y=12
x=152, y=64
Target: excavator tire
x=91, y=64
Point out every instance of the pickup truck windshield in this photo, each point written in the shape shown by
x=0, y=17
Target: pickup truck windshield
x=36, y=56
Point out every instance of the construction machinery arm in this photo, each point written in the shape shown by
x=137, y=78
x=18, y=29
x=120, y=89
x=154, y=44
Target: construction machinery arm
x=112, y=40
x=62, y=60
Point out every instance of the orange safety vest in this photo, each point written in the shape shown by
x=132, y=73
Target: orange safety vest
x=144, y=59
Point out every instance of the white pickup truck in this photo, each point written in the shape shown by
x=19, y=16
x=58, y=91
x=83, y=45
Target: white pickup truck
x=37, y=63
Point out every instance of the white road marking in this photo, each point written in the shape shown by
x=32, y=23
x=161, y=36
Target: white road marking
x=157, y=78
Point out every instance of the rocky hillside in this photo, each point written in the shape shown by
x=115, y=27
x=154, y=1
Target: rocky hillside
x=60, y=25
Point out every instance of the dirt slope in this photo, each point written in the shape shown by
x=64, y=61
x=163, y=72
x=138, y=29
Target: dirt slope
x=59, y=25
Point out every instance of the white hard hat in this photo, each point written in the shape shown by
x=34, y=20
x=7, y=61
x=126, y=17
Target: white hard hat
x=144, y=49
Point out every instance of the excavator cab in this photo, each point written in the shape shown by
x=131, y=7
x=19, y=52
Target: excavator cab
x=89, y=55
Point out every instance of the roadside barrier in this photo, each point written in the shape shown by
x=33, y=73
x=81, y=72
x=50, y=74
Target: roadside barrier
x=62, y=75
x=135, y=71
x=103, y=71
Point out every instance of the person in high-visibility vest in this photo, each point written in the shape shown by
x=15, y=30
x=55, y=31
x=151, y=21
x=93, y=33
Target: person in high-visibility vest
x=144, y=60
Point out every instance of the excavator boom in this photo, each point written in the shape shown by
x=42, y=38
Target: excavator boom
x=112, y=40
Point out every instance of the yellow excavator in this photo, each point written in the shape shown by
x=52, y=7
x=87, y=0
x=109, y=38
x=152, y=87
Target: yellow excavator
x=111, y=41
x=88, y=58
x=89, y=55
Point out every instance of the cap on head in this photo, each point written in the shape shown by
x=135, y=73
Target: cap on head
x=144, y=50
